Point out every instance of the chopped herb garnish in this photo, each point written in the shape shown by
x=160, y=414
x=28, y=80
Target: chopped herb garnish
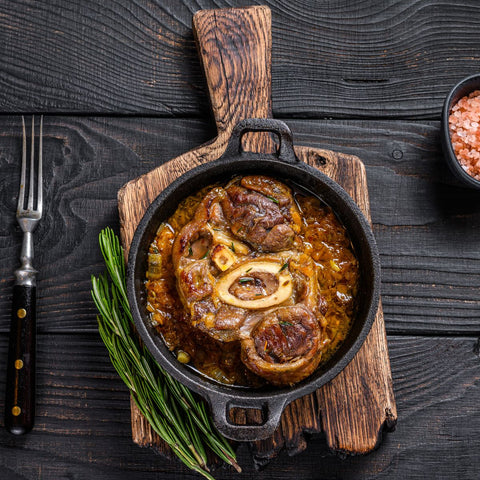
x=155, y=249
x=232, y=247
x=273, y=199
x=218, y=229
x=190, y=251
x=205, y=256
x=245, y=279
x=284, y=266
x=246, y=271
x=258, y=294
x=285, y=324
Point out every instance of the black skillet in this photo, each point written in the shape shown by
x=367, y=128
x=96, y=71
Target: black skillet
x=283, y=165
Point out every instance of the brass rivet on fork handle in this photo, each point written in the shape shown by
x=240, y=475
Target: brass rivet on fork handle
x=20, y=388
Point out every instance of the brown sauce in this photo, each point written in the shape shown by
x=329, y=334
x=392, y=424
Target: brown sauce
x=323, y=238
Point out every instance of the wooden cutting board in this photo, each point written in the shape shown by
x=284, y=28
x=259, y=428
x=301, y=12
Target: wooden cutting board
x=355, y=407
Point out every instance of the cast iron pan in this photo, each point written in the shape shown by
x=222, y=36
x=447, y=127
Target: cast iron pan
x=285, y=166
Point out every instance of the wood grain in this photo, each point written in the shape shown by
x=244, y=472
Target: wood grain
x=237, y=62
x=371, y=59
x=83, y=428
x=430, y=280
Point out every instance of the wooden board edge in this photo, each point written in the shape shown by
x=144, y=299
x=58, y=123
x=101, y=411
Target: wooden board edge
x=338, y=437
x=209, y=150
x=376, y=342
x=324, y=160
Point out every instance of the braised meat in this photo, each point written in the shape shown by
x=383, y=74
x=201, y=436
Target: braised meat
x=210, y=209
x=258, y=293
x=285, y=346
x=259, y=210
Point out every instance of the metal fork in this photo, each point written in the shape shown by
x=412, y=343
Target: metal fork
x=20, y=391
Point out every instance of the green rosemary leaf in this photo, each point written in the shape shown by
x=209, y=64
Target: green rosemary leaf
x=170, y=408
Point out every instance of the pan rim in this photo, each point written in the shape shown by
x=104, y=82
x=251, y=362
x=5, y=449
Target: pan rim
x=200, y=384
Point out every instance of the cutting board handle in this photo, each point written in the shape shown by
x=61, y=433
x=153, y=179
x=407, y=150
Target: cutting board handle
x=235, y=47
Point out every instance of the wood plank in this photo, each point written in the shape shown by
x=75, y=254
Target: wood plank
x=330, y=59
x=83, y=427
x=86, y=162
x=430, y=278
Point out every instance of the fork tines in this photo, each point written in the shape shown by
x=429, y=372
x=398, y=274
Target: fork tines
x=31, y=190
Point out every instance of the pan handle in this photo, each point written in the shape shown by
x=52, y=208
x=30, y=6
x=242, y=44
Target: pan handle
x=272, y=409
x=285, y=150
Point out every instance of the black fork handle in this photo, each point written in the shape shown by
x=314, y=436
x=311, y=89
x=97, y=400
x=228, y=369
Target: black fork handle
x=20, y=391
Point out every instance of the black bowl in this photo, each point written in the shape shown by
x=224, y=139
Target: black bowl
x=462, y=88
x=284, y=166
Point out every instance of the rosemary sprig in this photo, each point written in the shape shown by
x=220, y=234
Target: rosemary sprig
x=174, y=413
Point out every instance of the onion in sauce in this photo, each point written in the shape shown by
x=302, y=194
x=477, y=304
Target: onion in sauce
x=320, y=244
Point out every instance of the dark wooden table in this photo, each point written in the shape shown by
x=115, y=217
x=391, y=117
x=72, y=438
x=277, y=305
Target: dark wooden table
x=121, y=88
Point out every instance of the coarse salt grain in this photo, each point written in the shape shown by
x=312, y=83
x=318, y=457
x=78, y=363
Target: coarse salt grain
x=465, y=134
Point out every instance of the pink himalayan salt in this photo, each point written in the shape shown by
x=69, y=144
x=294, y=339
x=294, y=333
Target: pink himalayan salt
x=464, y=122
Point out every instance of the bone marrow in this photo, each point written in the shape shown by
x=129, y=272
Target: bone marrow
x=255, y=285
